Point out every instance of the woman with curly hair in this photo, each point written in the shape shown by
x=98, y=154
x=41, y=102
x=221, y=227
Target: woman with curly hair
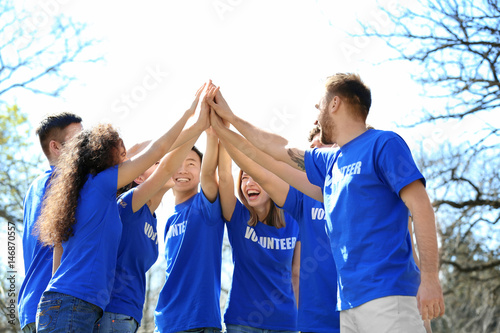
x=80, y=216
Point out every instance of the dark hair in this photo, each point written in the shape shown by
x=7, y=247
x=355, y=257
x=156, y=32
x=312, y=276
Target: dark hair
x=312, y=133
x=275, y=217
x=350, y=87
x=90, y=152
x=52, y=128
x=198, y=152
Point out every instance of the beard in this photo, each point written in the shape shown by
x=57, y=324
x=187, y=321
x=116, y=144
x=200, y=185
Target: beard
x=327, y=129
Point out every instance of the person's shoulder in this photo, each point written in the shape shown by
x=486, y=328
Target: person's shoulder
x=40, y=181
x=375, y=133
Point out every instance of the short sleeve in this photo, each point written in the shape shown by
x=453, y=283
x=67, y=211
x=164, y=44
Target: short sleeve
x=396, y=166
x=107, y=180
x=124, y=203
x=316, y=161
x=212, y=211
x=294, y=203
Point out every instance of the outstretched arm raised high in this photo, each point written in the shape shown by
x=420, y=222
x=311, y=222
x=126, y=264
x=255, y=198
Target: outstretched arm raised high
x=238, y=147
x=130, y=169
x=268, y=142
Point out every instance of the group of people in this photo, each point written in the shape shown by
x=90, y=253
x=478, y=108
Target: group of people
x=320, y=238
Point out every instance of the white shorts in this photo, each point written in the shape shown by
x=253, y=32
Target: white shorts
x=395, y=314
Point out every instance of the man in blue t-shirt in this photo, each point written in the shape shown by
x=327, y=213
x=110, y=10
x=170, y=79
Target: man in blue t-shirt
x=189, y=299
x=53, y=132
x=369, y=185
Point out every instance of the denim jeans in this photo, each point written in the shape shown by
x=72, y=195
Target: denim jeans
x=247, y=329
x=63, y=313
x=30, y=328
x=116, y=323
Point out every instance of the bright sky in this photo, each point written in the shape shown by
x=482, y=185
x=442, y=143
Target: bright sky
x=269, y=57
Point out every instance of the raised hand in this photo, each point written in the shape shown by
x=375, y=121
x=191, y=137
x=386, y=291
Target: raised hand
x=192, y=109
x=204, y=117
x=216, y=121
x=218, y=103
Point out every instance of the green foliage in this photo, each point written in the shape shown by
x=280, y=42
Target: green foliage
x=18, y=164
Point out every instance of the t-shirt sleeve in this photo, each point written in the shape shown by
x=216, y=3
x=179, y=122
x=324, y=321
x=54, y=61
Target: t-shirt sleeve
x=294, y=203
x=124, y=203
x=238, y=216
x=107, y=180
x=396, y=166
x=212, y=211
x=315, y=162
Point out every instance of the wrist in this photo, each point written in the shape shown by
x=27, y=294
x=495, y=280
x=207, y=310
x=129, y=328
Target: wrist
x=429, y=276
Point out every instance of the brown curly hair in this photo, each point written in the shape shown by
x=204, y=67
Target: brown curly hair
x=90, y=152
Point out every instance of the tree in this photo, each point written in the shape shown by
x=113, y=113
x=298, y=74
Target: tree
x=457, y=45
x=36, y=48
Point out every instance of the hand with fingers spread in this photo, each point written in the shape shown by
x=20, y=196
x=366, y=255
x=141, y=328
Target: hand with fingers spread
x=219, y=104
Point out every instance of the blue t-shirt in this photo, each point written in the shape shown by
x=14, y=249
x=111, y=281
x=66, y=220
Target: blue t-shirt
x=190, y=297
x=37, y=258
x=88, y=263
x=261, y=292
x=318, y=283
x=137, y=252
x=366, y=219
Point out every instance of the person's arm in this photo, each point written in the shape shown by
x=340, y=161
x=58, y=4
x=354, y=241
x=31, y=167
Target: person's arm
x=268, y=142
x=294, y=177
x=413, y=245
x=427, y=323
x=430, y=295
x=275, y=187
x=130, y=169
x=208, y=179
x=226, y=184
x=57, y=253
x=296, y=271
x=149, y=189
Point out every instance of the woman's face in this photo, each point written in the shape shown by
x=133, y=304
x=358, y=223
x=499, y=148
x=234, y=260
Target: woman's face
x=121, y=152
x=253, y=193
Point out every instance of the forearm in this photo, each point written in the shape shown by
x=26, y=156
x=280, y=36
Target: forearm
x=270, y=143
x=208, y=168
x=290, y=175
x=296, y=271
x=156, y=182
x=226, y=184
x=275, y=187
x=425, y=234
x=188, y=134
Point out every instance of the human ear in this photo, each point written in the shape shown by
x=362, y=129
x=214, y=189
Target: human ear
x=139, y=180
x=55, y=148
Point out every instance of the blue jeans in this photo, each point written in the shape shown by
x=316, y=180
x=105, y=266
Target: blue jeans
x=63, y=313
x=116, y=323
x=247, y=329
x=29, y=328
